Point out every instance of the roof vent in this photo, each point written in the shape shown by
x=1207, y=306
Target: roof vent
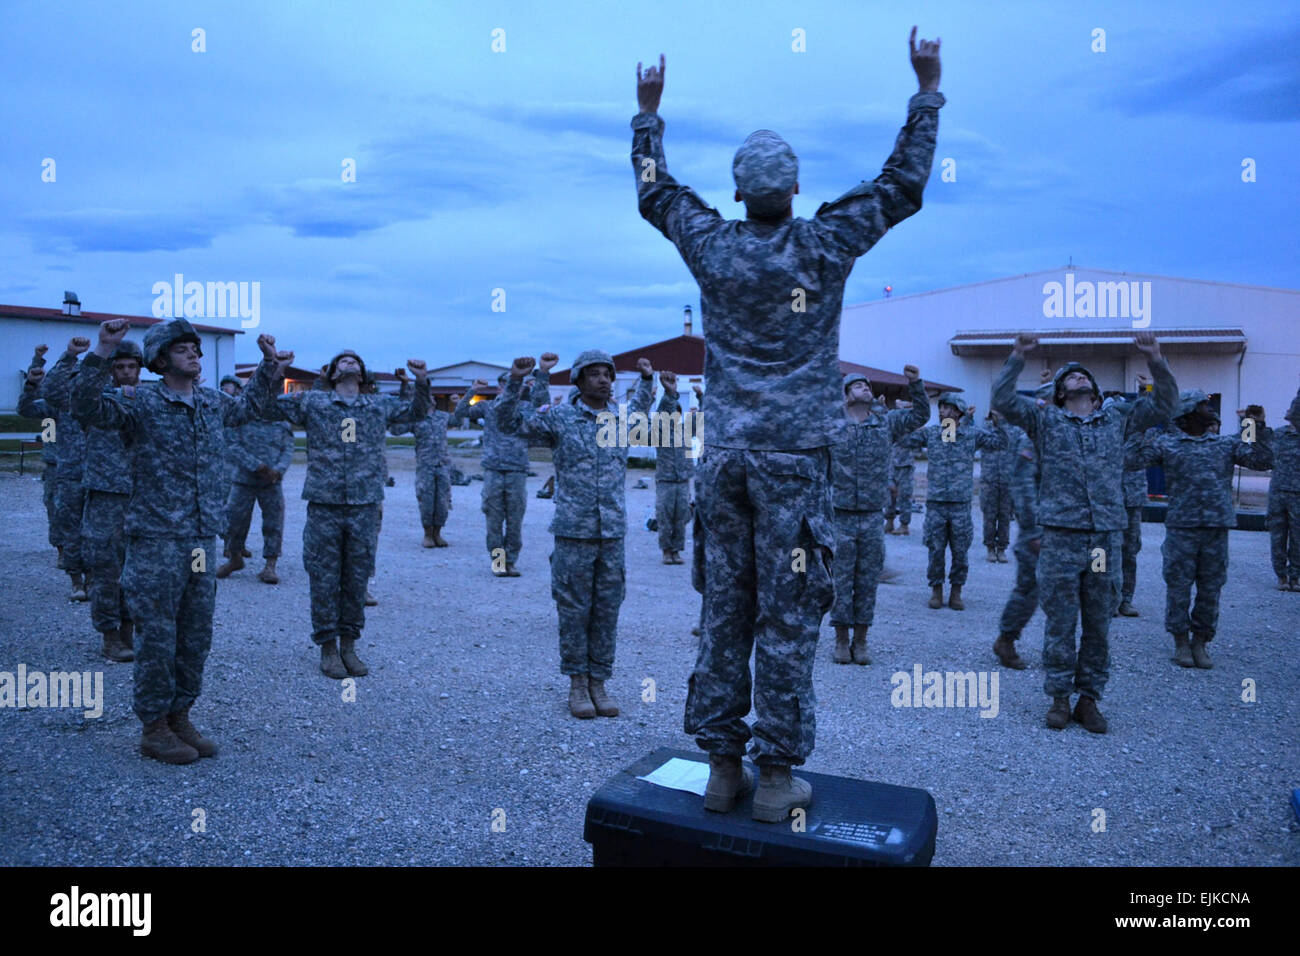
x=686, y=320
x=71, y=304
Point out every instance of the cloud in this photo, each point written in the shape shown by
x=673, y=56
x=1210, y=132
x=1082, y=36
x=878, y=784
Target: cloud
x=125, y=230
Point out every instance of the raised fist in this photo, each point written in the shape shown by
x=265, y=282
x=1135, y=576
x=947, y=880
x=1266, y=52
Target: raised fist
x=521, y=367
x=1146, y=344
x=35, y=374
x=479, y=385
x=644, y=367
x=911, y=372
x=1044, y=376
x=1025, y=343
x=548, y=361
x=110, y=334
x=699, y=392
x=669, y=381
x=267, y=344
x=79, y=343
x=419, y=368
x=400, y=373
x=41, y=350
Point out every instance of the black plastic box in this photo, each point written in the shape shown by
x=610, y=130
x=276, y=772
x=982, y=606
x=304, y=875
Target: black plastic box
x=850, y=823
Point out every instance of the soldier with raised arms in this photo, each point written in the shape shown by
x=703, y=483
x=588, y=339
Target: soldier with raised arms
x=771, y=292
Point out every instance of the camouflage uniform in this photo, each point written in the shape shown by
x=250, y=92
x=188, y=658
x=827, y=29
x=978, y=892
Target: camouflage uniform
x=176, y=511
x=107, y=479
x=70, y=447
x=30, y=406
x=344, y=491
x=432, y=467
x=252, y=446
x=1081, y=509
x=673, y=472
x=860, y=486
x=995, y=487
x=902, y=463
x=587, y=570
x=505, y=469
x=771, y=355
x=1284, y=497
x=1198, y=482
x=1024, y=494
x=1135, y=497
x=950, y=485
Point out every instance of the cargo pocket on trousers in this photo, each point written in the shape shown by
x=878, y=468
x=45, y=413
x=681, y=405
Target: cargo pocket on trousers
x=819, y=585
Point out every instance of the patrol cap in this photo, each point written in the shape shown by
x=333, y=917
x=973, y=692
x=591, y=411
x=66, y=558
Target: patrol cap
x=854, y=377
x=1065, y=370
x=765, y=169
x=333, y=366
x=162, y=337
x=953, y=399
x=127, y=349
x=587, y=358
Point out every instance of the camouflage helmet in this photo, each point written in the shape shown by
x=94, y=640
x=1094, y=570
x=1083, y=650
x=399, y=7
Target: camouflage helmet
x=853, y=377
x=333, y=366
x=953, y=399
x=127, y=349
x=1188, y=399
x=766, y=170
x=232, y=380
x=162, y=337
x=1059, y=378
x=587, y=358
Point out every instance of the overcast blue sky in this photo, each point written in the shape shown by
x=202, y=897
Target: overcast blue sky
x=478, y=170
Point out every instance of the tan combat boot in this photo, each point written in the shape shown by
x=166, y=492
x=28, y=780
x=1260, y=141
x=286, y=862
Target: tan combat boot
x=231, y=566
x=668, y=557
x=889, y=526
x=180, y=724
x=1200, y=654
x=371, y=600
x=512, y=571
x=779, y=793
x=580, y=704
x=729, y=780
x=936, y=596
x=348, y=654
x=438, y=540
x=1002, y=556
x=1058, y=715
x=1126, y=608
x=1182, y=652
x=603, y=703
x=841, y=655
x=1005, y=650
x=78, y=588
x=859, y=648
x=1086, y=713
x=1283, y=584
x=158, y=741
x=993, y=557
x=1295, y=584
x=267, y=575
x=114, y=650
x=906, y=529
x=331, y=665
x=428, y=541
x=954, y=599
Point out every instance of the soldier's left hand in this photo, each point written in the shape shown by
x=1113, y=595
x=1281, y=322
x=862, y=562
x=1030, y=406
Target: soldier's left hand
x=267, y=344
x=925, y=61
x=400, y=373
x=650, y=87
x=41, y=350
x=1148, y=345
x=911, y=372
x=699, y=392
x=78, y=344
x=35, y=374
x=669, y=381
x=547, y=361
x=419, y=368
x=644, y=367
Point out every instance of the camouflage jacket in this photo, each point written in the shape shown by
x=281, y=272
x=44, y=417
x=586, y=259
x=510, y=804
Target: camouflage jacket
x=259, y=443
x=69, y=436
x=1198, y=473
x=998, y=468
x=1082, y=458
x=30, y=406
x=902, y=458
x=1135, y=487
x=950, y=465
x=671, y=463
x=590, y=463
x=1285, y=443
x=346, y=446
x=860, y=461
x=431, y=452
x=178, y=452
x=771, y=292
x=501, y=451
x=108, y=454
x=1024, y=488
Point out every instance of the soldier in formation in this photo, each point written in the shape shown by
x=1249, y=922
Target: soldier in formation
x=902, y=467
x=1023, y=601
x=995, y=488
x=260, y=452
x=771, y=290
x=673, y=471
x=432, y=468
x=1284, y=500
x=30, y=405
x=860, y=485
x=587, y=565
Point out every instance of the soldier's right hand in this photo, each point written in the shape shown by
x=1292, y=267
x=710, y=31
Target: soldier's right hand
x=110, y=334
x=522, y=366
x=41, y=350
x=650, y=87
x=34, y=375
x=1044, y=376
x=79, y=343
x=1024, y=343
x=911, y=373
x=669, y=381
x=699, y=392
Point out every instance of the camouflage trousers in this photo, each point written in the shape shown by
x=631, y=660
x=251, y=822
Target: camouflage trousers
x=1194, y=556
x=995, y=503
x=1284, y=532
x=672, y=508
x=104, y=543
x=239, y=515
x=1070, y=590
x=171, y=589
x=1132, y=545
x=948, y=524
x=48, y=482
x=433, y=492
x=768, y=541
x=1023, y=601
x=900, y=496
x=859, y=559
x=69, y=505
x=338, y=553
x=504, y=500
x=588, y=584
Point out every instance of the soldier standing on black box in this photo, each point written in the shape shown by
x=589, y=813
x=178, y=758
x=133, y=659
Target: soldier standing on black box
x=949, y=486
x=860, y=485
x=771, y=290
x=590, y=523
x=176, y=430
x=1081, y=508
x=1198, y=478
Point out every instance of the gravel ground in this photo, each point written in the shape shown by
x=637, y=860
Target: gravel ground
x=464, y=713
